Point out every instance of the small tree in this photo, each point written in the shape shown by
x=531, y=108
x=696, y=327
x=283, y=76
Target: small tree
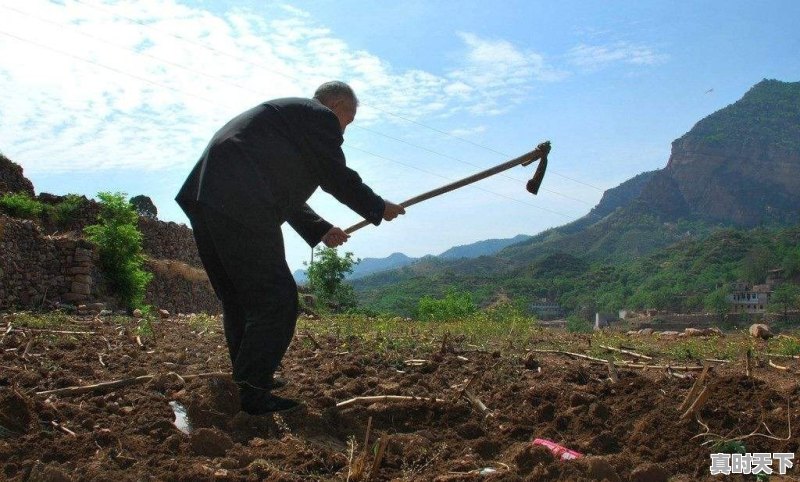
x=784, y=298
x=717, y=302
x=144, y=206
x=119, y=244
x=326, y=277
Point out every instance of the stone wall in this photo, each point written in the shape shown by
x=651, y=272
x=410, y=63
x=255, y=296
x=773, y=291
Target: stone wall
x=168, y=241
x=36, y=270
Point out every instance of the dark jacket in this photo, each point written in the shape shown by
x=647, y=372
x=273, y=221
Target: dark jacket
x=263, y=165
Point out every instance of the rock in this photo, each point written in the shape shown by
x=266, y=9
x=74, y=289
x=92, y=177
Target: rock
x=599, y=468
x=210, y=442
x=163, y=313
x=649, y=472
x=646, y=331
x=81, y=288
x=83, y=278
x=137, y=313
x=692, y=332
x=713, y=332
x=71, y=297
x=48, y=473
x=760, y=330
x=668, y=333
x=106, y=313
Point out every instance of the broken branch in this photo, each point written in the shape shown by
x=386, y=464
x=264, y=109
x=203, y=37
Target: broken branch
x=120, y=383
x=626, y=352
x=697, y=405
x=384, y=398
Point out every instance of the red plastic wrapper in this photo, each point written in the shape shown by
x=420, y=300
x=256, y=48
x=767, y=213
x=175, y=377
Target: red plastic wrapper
x=559, y=451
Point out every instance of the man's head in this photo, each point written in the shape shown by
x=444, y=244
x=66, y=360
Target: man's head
x=340, y=98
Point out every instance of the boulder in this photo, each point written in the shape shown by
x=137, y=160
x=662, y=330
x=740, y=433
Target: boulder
x=760, y=330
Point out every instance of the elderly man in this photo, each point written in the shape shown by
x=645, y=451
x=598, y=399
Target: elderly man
x=257, y=172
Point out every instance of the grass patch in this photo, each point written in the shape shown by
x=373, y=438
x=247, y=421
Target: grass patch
x=203, y=322
x=784, y=345
x=52, y=320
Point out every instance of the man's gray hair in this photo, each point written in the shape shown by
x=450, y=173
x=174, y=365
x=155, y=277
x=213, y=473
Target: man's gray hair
x=334, y=90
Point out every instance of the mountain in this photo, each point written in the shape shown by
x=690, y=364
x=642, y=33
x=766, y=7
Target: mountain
x=739, y=167
x=368, y=266
x=482, y=248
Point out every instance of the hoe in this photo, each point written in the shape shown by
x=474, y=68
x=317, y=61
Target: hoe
x=539, y=153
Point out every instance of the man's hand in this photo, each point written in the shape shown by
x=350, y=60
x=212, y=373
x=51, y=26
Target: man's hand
x=335, y=237
x=392, y=210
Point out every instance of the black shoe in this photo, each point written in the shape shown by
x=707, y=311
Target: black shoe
x=270, y=404
x=277, y=383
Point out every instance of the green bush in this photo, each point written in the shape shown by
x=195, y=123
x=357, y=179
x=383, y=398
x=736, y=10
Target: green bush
x=455, y=305
x=576, y=324
x=21, y=205
x=119, y=245
x=67, y=210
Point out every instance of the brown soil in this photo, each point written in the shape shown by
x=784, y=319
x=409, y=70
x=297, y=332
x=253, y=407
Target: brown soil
x=629, y=430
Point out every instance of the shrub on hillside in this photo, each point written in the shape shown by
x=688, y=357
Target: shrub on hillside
x=119, y=245
x=455, y=305
x=66, y=211
x=21, y=205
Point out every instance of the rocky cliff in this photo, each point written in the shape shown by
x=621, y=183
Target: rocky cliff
x=740, y=165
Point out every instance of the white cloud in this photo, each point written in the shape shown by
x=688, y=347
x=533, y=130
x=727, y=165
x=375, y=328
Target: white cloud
x=467, y=131
x=144, y=83
x=593, y=57
x=498, y=74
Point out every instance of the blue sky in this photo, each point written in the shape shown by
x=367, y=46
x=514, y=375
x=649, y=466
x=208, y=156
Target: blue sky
x=123, y=96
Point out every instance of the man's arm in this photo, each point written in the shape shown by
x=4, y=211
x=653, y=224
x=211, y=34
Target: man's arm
x=309, y=225
x=325, y=140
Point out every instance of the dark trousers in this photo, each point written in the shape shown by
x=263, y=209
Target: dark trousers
x=247, y=268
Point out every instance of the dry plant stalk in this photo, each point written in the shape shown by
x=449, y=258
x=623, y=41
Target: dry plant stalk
x=748, y=371
x=376, y=464
x=384, y=398
x=626, y=352
x=697, y=405
x=779, y=367
x=612, y=371
x=574, y=355
x=662, y=367
x=695, y=388
x=122, y=383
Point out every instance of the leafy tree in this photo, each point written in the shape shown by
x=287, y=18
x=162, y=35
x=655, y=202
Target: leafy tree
x=144, y=206
x=756, y=263
x=784, y=298
x=717, y=302
x=326, y=278
x=119, y=245
x=791, y=262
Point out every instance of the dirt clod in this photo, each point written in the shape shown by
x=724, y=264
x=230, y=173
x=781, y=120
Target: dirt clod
x=210, y=442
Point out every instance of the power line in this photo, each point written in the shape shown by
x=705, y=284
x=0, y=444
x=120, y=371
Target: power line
x=290, y=77
x=121, y=72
